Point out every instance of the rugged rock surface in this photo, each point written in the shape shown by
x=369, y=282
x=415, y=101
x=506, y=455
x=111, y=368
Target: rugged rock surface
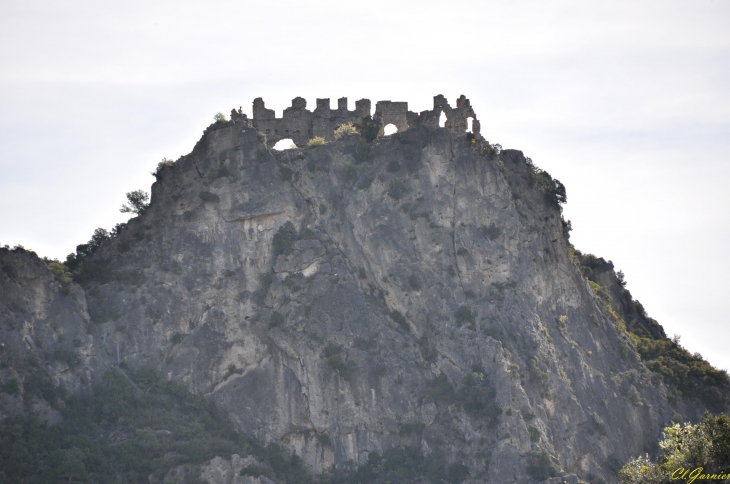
x=419, y=270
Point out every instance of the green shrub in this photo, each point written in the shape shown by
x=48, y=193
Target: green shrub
x=60, y=271
x=265, y=281
x=451, y=271
x=598, y=423
x=137, y=202
x=462, y=251
x=307, y=234
x=343, y=130
x=161, y=166
x=535, y=434
x=396, y=189
x=562, y=323
x=331, y=349
x=553, y=190
x=176, y=338
x=66, y=355
x=346, y=369
x=324, y=440
x=102, y=309
x=494, y=332
x=414, y=282
x=540, y=466
x=209, y=197
x=537, y=372
x=252, y=470
x=491, y=232
x=601, y=292
x=366, y=343
x=464, y=315
x=370, y=129
x=393, y=166
x=491, y=151
x=316, y=141
x=477, y=397
x=291, y=279
x=11, y=387
x=219, y=117
x=400, y=320
x=633, y=395
x=285, y=173
x=41, y=386
x=284, y=239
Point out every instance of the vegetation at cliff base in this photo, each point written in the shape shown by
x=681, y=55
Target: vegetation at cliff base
x=130, y=428
x=126, y=430
x=688, y=452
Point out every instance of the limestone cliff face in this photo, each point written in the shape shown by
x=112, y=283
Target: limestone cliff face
x=417, y=268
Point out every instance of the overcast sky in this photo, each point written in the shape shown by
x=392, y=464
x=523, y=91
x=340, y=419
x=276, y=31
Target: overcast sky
x=625, y=102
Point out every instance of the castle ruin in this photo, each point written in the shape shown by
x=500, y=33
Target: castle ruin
x=300, y=125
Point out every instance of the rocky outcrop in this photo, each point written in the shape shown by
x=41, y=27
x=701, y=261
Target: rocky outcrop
x=422, y=269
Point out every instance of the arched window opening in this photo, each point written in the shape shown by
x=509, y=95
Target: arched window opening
x=389, y=129
x=469, y=122
x=442, y=120
x=285, y=144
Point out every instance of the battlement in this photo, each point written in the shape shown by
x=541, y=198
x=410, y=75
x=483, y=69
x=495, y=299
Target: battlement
x=300, y=125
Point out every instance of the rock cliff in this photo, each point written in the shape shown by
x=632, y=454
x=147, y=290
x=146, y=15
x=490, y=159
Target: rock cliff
x=418, y=290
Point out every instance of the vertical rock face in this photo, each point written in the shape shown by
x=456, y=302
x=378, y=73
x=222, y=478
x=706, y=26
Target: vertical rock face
x=352, y=298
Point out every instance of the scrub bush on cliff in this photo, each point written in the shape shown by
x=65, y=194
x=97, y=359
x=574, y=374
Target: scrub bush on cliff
x=316, y=141
x=343, y=130
x=138, y=202
x=370, y=129
x=284, y=239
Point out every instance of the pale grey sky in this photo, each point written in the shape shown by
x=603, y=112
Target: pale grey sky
x=625, y=102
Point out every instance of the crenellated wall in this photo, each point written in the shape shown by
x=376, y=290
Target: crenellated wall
x=300, y=125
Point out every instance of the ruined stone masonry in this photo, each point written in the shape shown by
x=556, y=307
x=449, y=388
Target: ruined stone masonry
x=300, y=125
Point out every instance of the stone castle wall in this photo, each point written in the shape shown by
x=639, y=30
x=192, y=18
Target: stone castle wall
x=300, y=125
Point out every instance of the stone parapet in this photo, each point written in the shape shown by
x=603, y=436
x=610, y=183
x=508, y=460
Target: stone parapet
x=300, y=125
